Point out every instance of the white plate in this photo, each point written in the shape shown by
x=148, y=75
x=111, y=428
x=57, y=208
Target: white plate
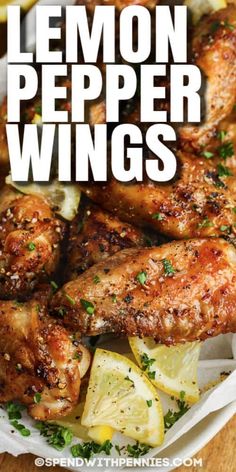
x=193, y=441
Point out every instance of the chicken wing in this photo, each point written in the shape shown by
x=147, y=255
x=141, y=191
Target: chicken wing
x=38, y=357
x=214, y=51
x=96, y=234
x=178, y=292
x=30, y=239
x=199, y=203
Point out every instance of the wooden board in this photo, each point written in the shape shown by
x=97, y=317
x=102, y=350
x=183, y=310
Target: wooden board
x=219, y=455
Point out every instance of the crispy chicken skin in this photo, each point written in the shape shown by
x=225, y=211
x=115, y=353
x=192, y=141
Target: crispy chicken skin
x=214, y=51
x=37, y=356
x=197, y=204
x=30, y=239
x=181, y=291
x=119, y=4
x=95, y=235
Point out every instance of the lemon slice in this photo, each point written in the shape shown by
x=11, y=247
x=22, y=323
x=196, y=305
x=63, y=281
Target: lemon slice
x=120, y=396
x=172, y=369
x=64, y=198
x=25, y=6
x=203, y=7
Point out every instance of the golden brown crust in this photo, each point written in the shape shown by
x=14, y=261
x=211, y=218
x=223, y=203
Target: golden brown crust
x=95, y=235
x=214, y=51
x=30, y=239
x=37, y=356
x=187, y=292
x=197, y=204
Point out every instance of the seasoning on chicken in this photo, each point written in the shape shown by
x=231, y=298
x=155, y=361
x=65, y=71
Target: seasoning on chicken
x=40, y=363
x=198, y=203
x=30, y=239
x=96, y=234
x=214, y=51
x=181, y=291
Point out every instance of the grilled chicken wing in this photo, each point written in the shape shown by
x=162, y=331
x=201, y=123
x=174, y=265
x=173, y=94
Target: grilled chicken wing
x=30, y=239
x=200, y=201
x=96, y=234
x=119, y=4
x=214, y=51
x=181, y=291
x=38, y=356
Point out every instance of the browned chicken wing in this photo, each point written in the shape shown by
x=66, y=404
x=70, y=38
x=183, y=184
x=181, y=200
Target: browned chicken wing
x=30, y=237
x=200, y=202
x=96, y=234
x=181, y=291
x=214, y=51
x=38, y=357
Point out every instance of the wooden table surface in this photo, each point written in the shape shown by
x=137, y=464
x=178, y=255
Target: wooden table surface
x=218, y=456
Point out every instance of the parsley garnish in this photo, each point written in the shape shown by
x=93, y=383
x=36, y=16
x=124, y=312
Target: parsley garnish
x=223, y=171
x=96, y=279
x=171, y=417
x=142, y=277
x=157, y=216
x=70, y=299
x=221, y=135
x=168, y=268
x=54, y=286
x=37, y=397
x=225, y=228
x=57, y=436
x=21, y=428
x=88, y=449
x=31, y=246
x=206, y=223
x=149, y=403
x=137, y=450
x=226, y=150
x=88, y=306
x=14, y=410
x=146, y=364
x=207, y=154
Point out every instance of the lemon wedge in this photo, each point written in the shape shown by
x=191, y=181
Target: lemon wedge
x=173, y=369
x=100, y=434
x=25, y=6
x=203, y=7
x=119, y=395
x=64, y=198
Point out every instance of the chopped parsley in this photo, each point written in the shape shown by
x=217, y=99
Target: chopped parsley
x=14, y=414
x=114, y=299
x=171, y=416
x=37, y=397
x=221, y=135
x=226, y=150
x=21, y=428
x=14, y=410
x=88, y=449
x=137, y=450
x=88, y=306
x=142, y=277
x=206, y=223
x=149, y=403
x=31, y=246
x=96, y=279
x=157, y=216
x=70, y=299
x=57, y=436
x=168, y=268
x=224, y=228
x=207, y=154
x=54, y=286
x=223, y=171
x=146, y=364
